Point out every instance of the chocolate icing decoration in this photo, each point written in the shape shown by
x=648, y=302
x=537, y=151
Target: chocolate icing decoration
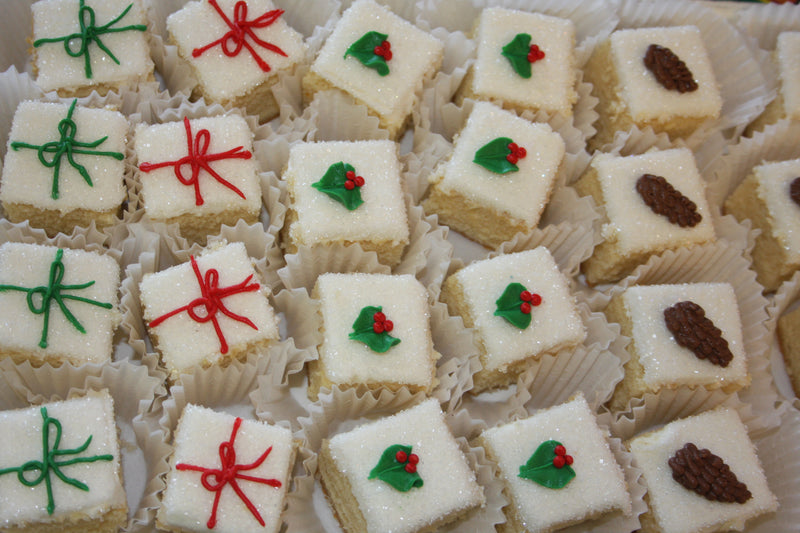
x=670, y=71
x=707, y=474
x=794, y=190
x=666, y=200
x=688, y=323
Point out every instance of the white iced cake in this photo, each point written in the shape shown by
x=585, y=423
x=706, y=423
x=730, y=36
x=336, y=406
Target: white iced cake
x=770, y=197
x=547, y=493
x=706, y=507
x=652, y=203
x=233, y=68
x=657, y=77
x=376, y=332
x=520, y=307
x=79, y=486
x=200, y=173
x=346, y=192
x=208, y=311
x=681, y=335
x=85, y=45
x=499, y=177
x=786, y=104
x=403, y=473
x=524, y=61
x=57, y=305
x=64, y=166
x=226, y=474
x=379, y=59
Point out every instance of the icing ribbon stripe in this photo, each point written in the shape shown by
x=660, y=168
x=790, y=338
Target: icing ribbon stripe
x=211, y=302
x=215, y=479
x=89, y=33
x=241, y=28
x=50, y=462
x=66, y=146
x=199, y=158
x=52, y=292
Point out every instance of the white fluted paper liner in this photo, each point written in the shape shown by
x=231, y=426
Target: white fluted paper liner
x=334, y=116
x=304, y=267
x=133, y=390
x=342, y=411
x=718, y=262
x=742, y=85
x=765, y=23
x=783, y=300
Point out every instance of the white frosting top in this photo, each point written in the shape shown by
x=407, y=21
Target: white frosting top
x=598, y=486
x=59, y=18
x=21, y=442
x=27, y=181
x=28, y=265
x=321, y=219
x=724, y=435
x=634, y=226
x=521, y=195
x=404, y=302
x=555, y=323
x=774, y=183
x=552, y=83
x=643, y=95
x=414, y=54
x=663, y=360
x=184, y=343
x=198, y=24
x=448, y=482
x=788, y=56
x=165, y=196
x=188, y=505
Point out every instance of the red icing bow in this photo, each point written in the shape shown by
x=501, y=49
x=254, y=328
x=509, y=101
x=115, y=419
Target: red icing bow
x=233, y=41
x=199, y=158
x=215, y=479
x=211, y=302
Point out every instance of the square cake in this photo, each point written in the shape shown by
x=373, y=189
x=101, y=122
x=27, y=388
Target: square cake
x=520, y=307
x=376, y=332
x=789, y=337
x=80, y=488
x=85, y=45
x=787, y=102
x=557, y=469
x=404, y=473
x=57, y=305
x=209, y=311
x=199, y=174
x=687, y=335
x=226, y=474
x=725, y=498
x=499, y=177
x=377, y=58
x=524, y=61
x=657, y=77
x=64, y=166
x=770, y=197
x=237, y=67
x=346, y=192
x=652, y=203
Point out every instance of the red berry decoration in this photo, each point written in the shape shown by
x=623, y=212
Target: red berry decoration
x=511, y=158
x=386, y=45
x=559, y=461
x=525, y=307
x=350, y=175
x=377, y=327
x=379, y=317
x=536, y=300
x=413, y=459
x=401, y=456
x=359, y=181
x=521, y=152
x=535, y=54
x=388, y=325
x=560, y=450
x=525, y=296
x=411, y=468
x=378, y=50
x=349, y=185
x=569, y=459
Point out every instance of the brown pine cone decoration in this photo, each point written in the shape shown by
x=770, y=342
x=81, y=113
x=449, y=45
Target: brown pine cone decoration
x=794, y=190
x=666, y=200
x=669, y=70
x=707, y=474
x=692, y=330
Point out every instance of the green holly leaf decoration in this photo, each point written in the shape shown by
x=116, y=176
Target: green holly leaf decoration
x=540, y=468
x=492, y=156
x=363, y=331
x=332, y=184
x=364, y=50
x=395, y=473
x=517, y=54
x=508, y=306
